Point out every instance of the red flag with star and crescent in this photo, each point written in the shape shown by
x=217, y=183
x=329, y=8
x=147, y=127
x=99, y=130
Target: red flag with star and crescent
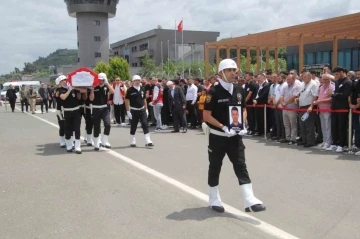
x=180, y=26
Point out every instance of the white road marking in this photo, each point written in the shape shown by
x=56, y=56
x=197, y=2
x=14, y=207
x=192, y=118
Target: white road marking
x=253, y=221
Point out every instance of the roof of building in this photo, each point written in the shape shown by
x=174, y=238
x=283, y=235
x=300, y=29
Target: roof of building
x=343, y=27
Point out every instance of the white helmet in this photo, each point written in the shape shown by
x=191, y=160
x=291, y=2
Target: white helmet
x=102, y=76
x=227, y=64
x=136, y=77
x=60, y=79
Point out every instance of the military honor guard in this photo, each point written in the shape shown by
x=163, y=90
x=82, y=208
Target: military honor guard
x=100, y=111
x=88, y=116
x=218, y=111
x=61, y=80
x=136, y=108
x=71, y=106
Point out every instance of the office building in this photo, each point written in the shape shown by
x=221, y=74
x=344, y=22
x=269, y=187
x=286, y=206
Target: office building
x=159, y=45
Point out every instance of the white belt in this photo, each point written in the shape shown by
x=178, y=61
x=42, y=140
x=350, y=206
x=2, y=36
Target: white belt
x=82, y=106
x=88, y=107
x=99, y=106
x=72, y=109
x=137, y=108
x=218, y=133
x=59, y=113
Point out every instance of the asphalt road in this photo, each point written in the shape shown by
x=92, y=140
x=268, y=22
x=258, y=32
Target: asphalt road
x=48, y=193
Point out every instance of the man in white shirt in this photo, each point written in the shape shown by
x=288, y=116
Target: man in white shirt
x=119, y=100
x=191, y=96
x=280, y=129
x=308, y=95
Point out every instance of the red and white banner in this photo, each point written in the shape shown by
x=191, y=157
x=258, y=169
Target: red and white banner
x=83, y=77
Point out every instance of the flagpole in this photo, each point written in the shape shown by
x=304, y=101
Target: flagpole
x=168, y=61
x=162, y=61
x=182, y=43
x=175, y=43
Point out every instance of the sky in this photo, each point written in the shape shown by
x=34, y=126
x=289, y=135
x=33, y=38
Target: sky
x=34, y=28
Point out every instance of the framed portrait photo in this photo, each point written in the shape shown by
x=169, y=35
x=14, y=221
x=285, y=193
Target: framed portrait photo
x=235, y=117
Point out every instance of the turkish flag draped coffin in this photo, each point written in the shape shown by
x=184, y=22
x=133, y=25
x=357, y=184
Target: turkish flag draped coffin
x=83, y=77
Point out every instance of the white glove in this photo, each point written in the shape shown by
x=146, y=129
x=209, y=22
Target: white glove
x=106, y=81
x=129, y=114
x=242, y=132
x=228, y=132
x=147, y=113
x=69, y=87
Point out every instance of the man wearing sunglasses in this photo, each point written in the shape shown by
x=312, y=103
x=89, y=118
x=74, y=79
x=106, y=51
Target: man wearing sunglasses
x=223, y=141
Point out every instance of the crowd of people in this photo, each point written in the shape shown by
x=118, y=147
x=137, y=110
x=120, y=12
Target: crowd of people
x=29, y=97
x=305, y=109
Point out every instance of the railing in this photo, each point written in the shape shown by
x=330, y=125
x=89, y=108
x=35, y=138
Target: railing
x=350, y=111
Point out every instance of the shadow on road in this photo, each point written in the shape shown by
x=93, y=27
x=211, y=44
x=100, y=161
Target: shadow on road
x=203, y=213
x=52, y=149
x=312, y=150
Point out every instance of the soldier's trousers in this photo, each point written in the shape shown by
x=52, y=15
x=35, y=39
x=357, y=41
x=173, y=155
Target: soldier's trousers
x=98, y=115
x=88, y=120
x=61, y=123
x=234, y=148
x=72, y=124
x=139, y=115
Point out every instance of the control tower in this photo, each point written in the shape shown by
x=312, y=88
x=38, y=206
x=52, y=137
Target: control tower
x=92, y=29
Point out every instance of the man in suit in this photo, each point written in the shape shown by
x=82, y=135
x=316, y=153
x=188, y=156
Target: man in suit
x=261, y=99
x=177, y=104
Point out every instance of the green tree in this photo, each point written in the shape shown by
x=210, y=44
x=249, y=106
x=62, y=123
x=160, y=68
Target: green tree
x=29, y=68
x=118, y=67
x=148, y=66
x=169, y=69
x=102, y=67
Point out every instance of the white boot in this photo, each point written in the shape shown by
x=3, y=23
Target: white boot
x=62, y=142
x=148, y=141
x=89, y=141
x=73, y=141
x=132, y=141
x=215, y=200
x=69, y=145
x=251, y=203
x=105, y=141
x=97, y=143
x=77, y=146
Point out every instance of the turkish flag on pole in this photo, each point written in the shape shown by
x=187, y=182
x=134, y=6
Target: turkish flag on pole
x=180, y=26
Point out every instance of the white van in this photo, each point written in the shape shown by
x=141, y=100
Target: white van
x=17, y=85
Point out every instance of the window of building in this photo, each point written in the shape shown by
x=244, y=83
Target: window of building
x=78, y=44
x=295, y=61
x=144, y=47
x=78, y=59
x=97, y=54
x=344, y=58
x=309, y=58
x=97, y=38
x=355, y=59
x=289, y=62
x=325, y=57
x=96, y=23
x=77, y=28
x=133, y=49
